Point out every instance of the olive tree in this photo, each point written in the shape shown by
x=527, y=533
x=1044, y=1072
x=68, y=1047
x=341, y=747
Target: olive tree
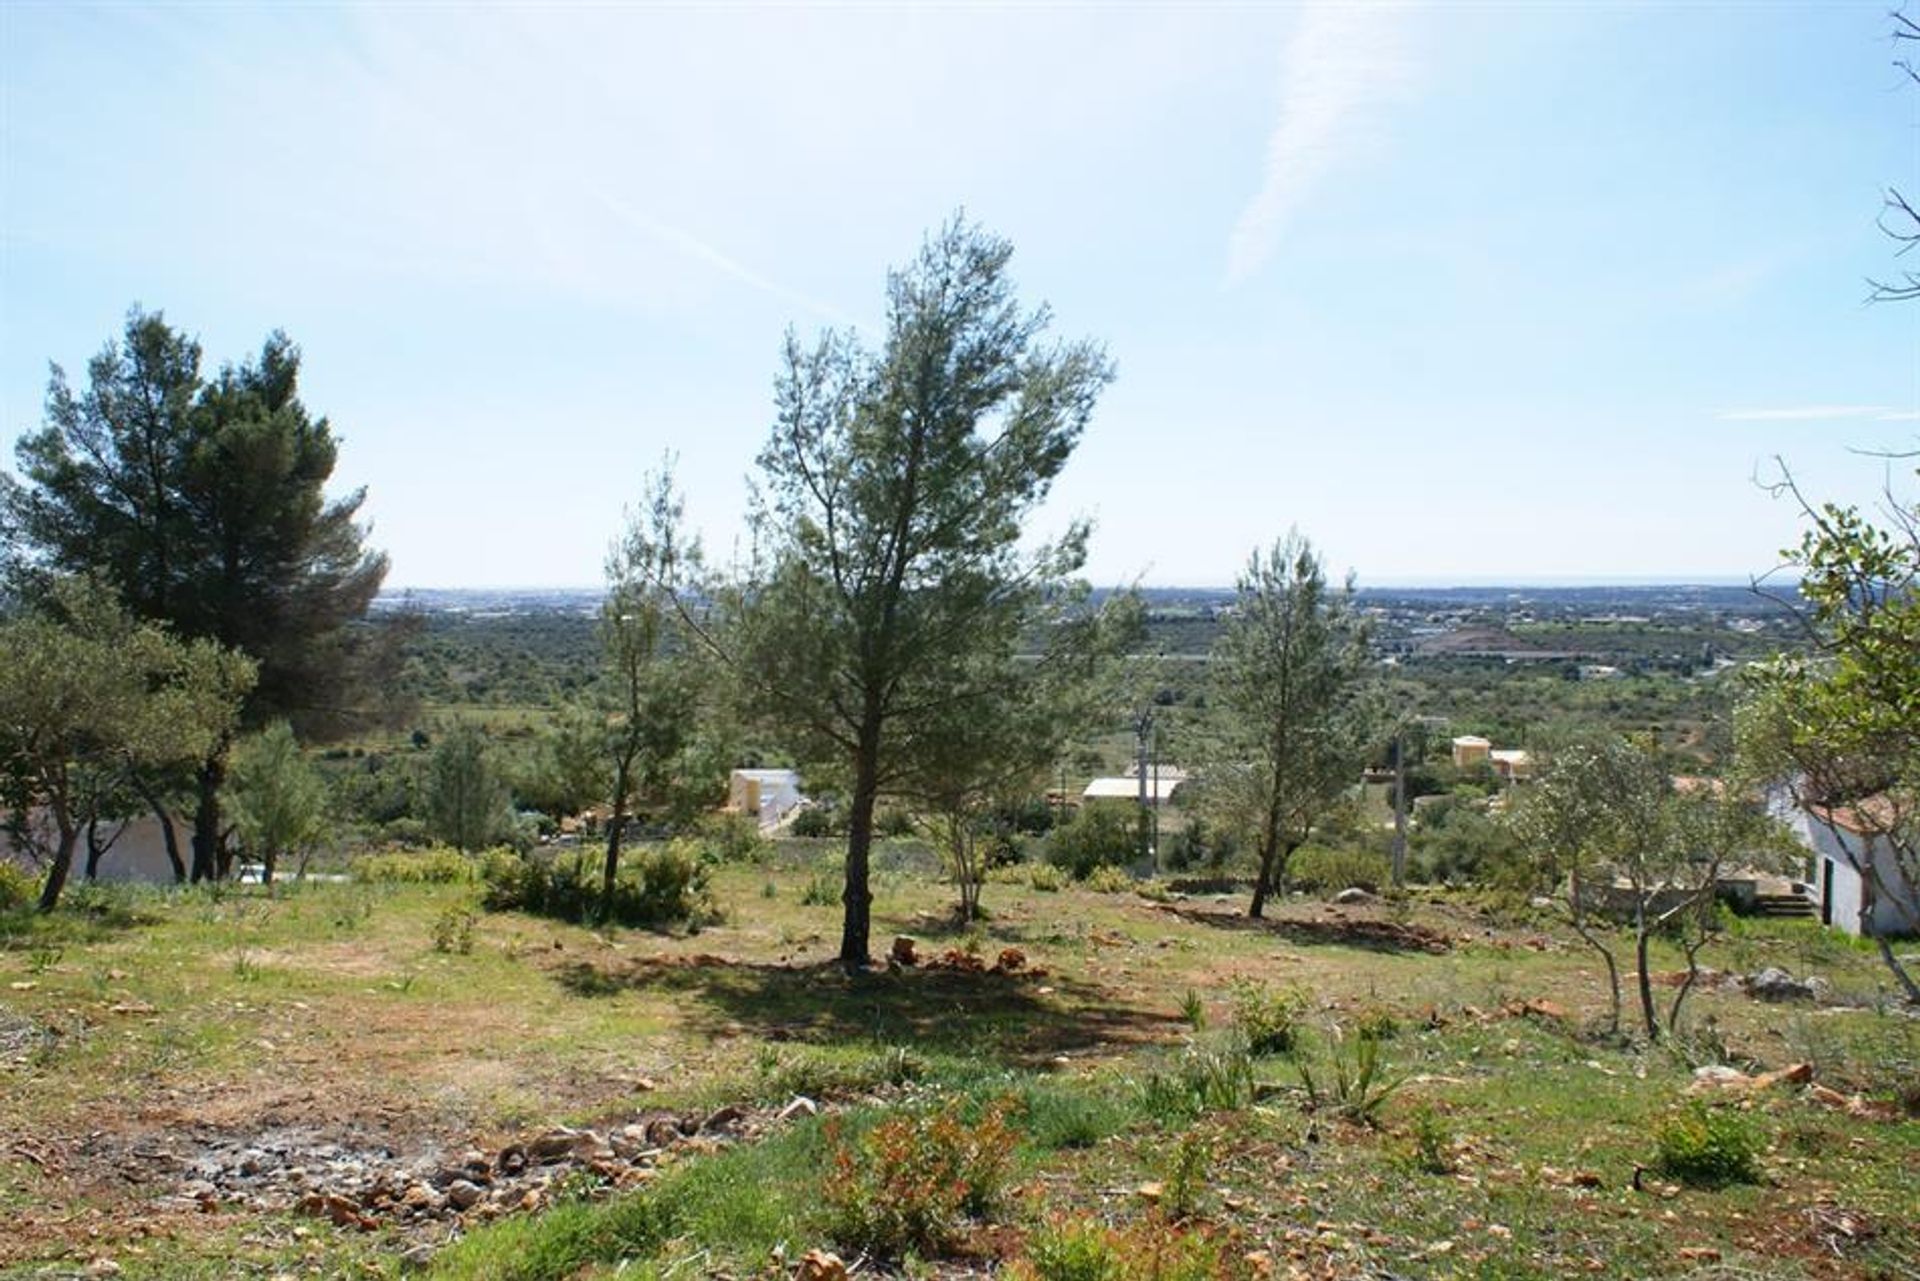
x=87, y=694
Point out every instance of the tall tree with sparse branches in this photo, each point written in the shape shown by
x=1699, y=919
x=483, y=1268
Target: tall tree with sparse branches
x=895, y=491
x=1290, y=729
x=651, y=679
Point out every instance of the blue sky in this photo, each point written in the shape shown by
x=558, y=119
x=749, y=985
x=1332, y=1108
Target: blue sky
x=1479, y=293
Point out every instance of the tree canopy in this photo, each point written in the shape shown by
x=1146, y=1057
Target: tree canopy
x=1290, y=729
x=88, y=695
x=895, y=490
x=202, y=502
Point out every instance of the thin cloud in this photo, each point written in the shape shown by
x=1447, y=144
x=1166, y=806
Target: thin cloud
x=691, y=246
x=1811, y=413
x=1342, y=62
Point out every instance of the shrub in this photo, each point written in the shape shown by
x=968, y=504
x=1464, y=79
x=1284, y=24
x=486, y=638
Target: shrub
x=1318, y=870
x=815, y=821
x=822, y=890
x=1110, y=880
x=658, y=885
x=1432, y=1142
x=1096, y=836
x=1087, y=1250
x=731, y=838
x=439, y=865
x=1268, y=1018
x=1205, y=1078
x=1046, y=878
x=453, y=931
x=1708, y=1147
x=910, y=1182
x=17, y=887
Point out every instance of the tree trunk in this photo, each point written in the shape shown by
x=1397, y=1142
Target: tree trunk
x=1258, y=908
x=95, y=850
x=268, y=857
x=62, y=865
x=168, y=836
x=1648, y=1012
x=616, y=835
x=206, y=819
x=857, y=924
x=1898, y=970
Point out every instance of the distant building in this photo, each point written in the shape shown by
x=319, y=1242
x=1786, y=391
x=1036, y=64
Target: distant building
x=1599, y=672
x=1159, y=790
x=1470, y=750
x=1515, y=765
x=767, y=795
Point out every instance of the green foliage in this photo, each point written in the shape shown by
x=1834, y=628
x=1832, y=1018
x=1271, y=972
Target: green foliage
x=467, y=804
x=1269, y=1020
x=1184, y=1180
x=1045, y=878
x=1319, y=870
x=1215, y=1076
x=821, y=890
x=894, y=585
x=732, y=838
x=17, y=886
x=453, y=931
x=1111, y=880
x=910, y=1182
x=1069, y=1116
x=435, y=866
x=1070, y=1249
x=1194, y=1010
x=561, y=1243
x=1432, y=1142
x=1708, y=1147
x=815, y=822
x=278, y=800
x=89, y=698
x=1098, y=835
x=1289, y=730
x=658, y=885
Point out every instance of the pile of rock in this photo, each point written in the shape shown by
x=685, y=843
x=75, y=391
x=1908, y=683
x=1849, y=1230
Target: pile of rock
x=366, y=1186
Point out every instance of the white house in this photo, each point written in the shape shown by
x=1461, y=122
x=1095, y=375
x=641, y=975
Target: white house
x=1842, y=844
x=767, y=794
x=1159, y=789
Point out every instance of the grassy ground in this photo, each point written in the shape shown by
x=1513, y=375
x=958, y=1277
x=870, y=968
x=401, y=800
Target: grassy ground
x=1509, y=1142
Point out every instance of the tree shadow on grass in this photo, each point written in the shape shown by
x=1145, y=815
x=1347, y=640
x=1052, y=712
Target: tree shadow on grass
x=1370, y=933
x=1017, y=1019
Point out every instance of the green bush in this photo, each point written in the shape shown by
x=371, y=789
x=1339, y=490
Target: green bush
x=911, y=1182
x=1110, y=880
x=18, y=887
x=1045, y=877
x=657, y=885
x=1708, y=1147
x=732, y=838
x=1269, y=1019
x=1154, y=1250
x=1099, y=835
x=1318, y=870
x=440, y=865
x=815, y=821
